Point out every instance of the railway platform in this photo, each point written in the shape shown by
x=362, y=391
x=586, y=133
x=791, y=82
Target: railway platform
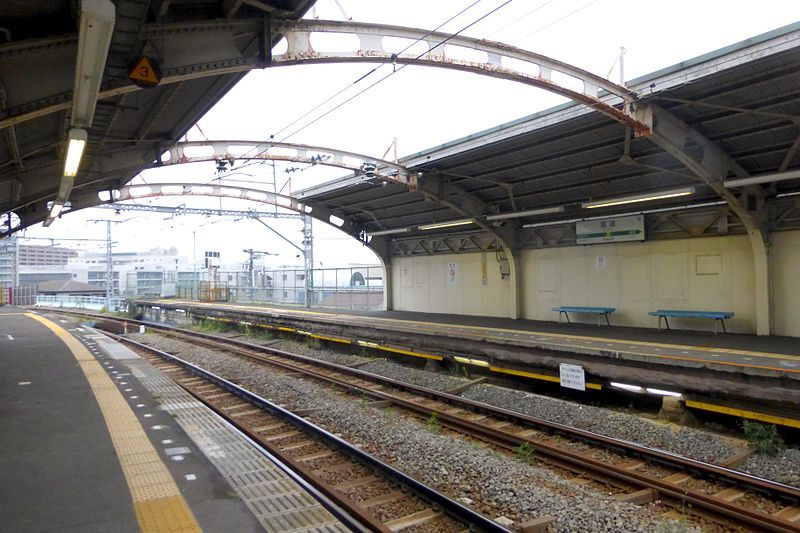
x=96, y=439
x=742, y=375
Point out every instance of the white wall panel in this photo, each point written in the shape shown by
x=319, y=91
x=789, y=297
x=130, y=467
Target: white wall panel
x=710, y=273
x=785, y=254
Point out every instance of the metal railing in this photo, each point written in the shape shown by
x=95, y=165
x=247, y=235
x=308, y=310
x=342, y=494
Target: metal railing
x=95, y=303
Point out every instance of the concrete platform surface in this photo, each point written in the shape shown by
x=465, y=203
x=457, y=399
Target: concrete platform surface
x=96, y=439
x=770, y=353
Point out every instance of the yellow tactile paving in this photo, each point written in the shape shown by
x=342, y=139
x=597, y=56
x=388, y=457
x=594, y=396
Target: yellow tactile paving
x=157, y=501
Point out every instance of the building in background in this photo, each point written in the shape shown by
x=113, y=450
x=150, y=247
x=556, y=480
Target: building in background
x=40, y=264
x=33, y=255
x=151, y=273
x=9, y=271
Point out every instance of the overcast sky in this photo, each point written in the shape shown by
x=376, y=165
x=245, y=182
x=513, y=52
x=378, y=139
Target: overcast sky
x=419, y=106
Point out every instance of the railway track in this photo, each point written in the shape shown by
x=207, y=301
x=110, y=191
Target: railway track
x=642, y=474
x=368, y=495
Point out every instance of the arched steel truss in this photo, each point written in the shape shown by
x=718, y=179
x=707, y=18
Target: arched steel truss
x=230, y=151
x=154, y=190
x=459, y=53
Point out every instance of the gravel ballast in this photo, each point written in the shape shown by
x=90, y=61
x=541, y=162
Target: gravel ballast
x=683, y=441
x=783, y=467
x=499, y=485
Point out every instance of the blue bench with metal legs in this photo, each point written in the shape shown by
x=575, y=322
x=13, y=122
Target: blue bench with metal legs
x=718, y=316
x=599, y=311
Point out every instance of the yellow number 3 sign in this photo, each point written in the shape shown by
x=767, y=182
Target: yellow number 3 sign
x=145, y=72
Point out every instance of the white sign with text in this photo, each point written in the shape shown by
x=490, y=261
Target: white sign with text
x=572, y=376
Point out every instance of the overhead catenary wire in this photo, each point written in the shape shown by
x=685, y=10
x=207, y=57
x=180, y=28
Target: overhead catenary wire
x=373, y=70
x=437, y=45
x=553, y=22
x=352, y=84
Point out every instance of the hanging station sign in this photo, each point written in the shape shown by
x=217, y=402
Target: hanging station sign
x=610, y=230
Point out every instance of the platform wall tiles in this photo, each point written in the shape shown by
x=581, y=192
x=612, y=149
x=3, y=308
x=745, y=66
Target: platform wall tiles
x=463, y=284
x=708, y=274
x=785, y=257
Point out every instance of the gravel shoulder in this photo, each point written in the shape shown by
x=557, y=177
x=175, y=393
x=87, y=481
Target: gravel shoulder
x=498, y=485
x=689, y=442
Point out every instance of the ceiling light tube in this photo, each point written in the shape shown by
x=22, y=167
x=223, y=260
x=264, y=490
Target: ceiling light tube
x=673, y=193
x=450, y=224
x=620, y=215
x=96, y=27
x=387, y=232
x=763, y=178
x=528, y=213
x=75, y=147
x=56, y=209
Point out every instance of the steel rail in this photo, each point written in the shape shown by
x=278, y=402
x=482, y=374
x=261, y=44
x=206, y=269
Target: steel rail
x=699, y=499
x=716, y=505
x=450, y=506
x=788, y=492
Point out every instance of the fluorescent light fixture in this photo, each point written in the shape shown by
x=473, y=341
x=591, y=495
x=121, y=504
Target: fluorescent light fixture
x=625, y=386
x=627, y=214
x=77, y=142
x=388, y=232
x=673, y=193
x=528, y=213
x=462, y=222
x=763, y=178
x=94, y=39
x=660, y=392
x=56, y=209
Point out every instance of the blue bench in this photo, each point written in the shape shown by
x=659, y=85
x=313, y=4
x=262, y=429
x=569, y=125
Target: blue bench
x=718, y=316
x=599, y=311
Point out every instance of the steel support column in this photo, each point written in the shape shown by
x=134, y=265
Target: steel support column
x=712, y=167
x=437, y=189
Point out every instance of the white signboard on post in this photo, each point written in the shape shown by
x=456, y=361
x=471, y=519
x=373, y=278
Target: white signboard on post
x=572, y=376
x=610, y=230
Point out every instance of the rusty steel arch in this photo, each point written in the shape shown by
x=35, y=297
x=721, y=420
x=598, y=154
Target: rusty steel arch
x=371, y=167
x=156, y=190
x=496, y=60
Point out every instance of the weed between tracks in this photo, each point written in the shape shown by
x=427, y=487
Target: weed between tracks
x=764, y=437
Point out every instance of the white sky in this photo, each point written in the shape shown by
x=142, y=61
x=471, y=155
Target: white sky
x=420, y=106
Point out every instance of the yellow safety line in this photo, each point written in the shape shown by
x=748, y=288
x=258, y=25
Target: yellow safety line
x=332, y=339
x=544, y=377
x=458, y=328
x=157, y=500
x=743, y=413
x=407, y=352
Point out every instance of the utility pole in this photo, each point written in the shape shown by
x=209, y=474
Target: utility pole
x=307, y=250
x=308, y=256
x=250, y=263
x=109, y=260
x=109, y=267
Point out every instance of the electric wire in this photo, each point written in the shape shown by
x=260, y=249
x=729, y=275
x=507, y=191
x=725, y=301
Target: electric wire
x=437, y=45
x=358, y=80
x=519, y=19
x=552, y=22
x=373, y=70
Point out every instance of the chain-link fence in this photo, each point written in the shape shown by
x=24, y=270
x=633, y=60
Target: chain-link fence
x=358, y=288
